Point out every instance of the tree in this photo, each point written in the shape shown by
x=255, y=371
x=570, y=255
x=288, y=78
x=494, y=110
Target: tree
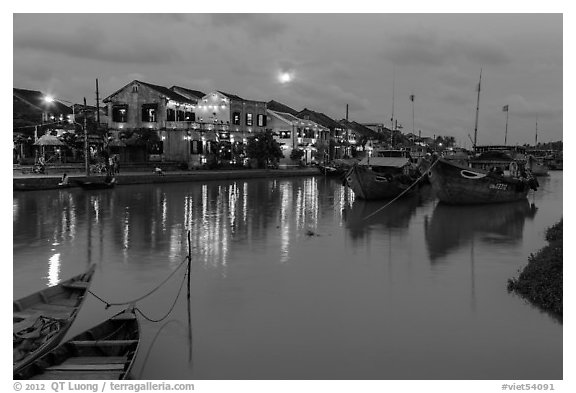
x=264, y=149
x=296, y=154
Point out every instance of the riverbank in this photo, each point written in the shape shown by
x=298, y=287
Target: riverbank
x=31, y=181
x=540, y=282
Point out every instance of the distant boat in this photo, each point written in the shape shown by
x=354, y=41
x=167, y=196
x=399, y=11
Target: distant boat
x=386, y=175
x=42, y=319
x=458, y=184
x=537, y=165
x=106, y=351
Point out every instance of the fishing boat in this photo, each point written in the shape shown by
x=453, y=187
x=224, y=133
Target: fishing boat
x=457, y=184
x=41, y=320
x=386, y=175
x=536, y=165
x=106, y=351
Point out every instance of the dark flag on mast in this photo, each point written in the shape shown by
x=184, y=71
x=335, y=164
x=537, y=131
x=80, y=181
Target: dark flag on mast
x=505, y=108
x=412, y=97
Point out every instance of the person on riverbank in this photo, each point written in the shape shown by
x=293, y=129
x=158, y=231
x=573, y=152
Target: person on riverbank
x=65, y=180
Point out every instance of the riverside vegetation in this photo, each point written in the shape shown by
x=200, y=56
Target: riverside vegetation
x=540, y=282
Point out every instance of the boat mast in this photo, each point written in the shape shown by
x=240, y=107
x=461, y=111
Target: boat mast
x=477, y=109
x=392, y=119
x=536, y=137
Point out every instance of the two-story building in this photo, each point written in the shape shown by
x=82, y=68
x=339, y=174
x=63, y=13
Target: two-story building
x=329, y=142
x=291, y=133
x=159, y=116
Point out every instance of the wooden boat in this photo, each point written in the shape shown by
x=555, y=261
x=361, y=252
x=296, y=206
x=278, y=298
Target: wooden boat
x=106, y=351
x=96, y=185
x=42, y=319
x=337, y=167
x=458, y=184
x=384, y=176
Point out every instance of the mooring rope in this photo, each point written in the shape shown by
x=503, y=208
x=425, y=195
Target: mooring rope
x=403, y=192
x=108, y=304
x=171, y=307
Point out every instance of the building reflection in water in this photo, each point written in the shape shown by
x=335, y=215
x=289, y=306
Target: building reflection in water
x=452, y=227
x=54, y=270
x=151, y=220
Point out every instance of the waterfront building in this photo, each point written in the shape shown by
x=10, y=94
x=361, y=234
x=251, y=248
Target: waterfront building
x=291, y=133
x=355, y=137
x=152, y=122
x=329, y=142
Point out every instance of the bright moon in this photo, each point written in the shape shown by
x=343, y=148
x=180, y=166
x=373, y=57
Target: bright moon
x=285, y=77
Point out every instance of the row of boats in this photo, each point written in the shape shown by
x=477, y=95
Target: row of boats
x=493, y=174
x=42, y=319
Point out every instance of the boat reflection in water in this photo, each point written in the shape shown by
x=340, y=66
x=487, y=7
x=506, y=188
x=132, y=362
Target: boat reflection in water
x=363, y=216
x=452, y=227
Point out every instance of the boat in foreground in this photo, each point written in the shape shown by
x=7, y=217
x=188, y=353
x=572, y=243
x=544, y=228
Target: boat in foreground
x=385, y=176
x=41, y=320
x=457, y=184
x=106, y=351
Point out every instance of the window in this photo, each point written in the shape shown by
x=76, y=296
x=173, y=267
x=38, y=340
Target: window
x=249, y=120
x=156, y=147
x=170, y=114
x=120, y=113
x=299, y=132
x=149, y=112
x=189, y=116
x=261, y=120
x=236, y=118
x=196, y=147
x=134, y=88
x=179, y=115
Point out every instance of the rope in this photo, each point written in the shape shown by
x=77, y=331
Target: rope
x=402, y=193
x=171, y=307
x=108, y=304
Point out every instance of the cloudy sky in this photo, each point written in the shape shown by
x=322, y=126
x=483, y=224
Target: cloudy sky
x=368, y=61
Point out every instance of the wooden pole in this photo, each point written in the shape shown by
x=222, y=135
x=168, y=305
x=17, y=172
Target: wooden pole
x=86, y=153
x=189, y=305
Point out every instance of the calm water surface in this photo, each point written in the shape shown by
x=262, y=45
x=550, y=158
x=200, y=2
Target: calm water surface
x=291, y=280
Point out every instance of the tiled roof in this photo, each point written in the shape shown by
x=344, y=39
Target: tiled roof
x=194, y=93
x=231, y=96
x=278, y=107
x=168, y=93
x=160, y=89
x=319, y=118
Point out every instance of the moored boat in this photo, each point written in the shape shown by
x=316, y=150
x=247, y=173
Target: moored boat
x=386, y=175
x=457, y=184
x=537, y=165
x=337, y=167
x=41, y=320
x=96, y=184
x=106, y=351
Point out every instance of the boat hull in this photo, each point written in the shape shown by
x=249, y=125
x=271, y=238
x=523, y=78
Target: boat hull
x=368, y=184
x=106, y=351
x=41, y=320
x=460, y=185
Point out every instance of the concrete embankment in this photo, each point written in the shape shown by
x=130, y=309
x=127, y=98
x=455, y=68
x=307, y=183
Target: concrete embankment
x=30, y=182
x=541, y=281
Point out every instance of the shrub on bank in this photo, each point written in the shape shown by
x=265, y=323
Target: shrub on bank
x=540, y=282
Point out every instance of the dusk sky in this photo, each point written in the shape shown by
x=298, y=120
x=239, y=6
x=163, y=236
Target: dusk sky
x=328, y=61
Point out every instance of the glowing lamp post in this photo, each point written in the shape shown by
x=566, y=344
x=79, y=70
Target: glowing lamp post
x=50, y=99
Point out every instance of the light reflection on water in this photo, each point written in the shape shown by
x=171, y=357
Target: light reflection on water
x=295, y=279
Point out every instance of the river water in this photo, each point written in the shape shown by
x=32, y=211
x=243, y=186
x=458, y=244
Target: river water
x=296, y=279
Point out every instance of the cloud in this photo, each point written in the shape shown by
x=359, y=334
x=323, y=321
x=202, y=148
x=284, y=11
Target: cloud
x=92, y=43
x=429, y=49
x=256, y=26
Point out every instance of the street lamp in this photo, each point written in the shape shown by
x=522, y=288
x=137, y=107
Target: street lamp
x=50, y=99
